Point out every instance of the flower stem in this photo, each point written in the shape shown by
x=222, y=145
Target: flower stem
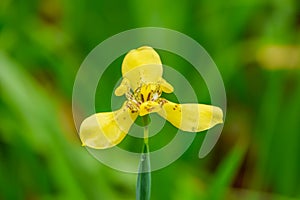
x=146, y=130
x=143, y=188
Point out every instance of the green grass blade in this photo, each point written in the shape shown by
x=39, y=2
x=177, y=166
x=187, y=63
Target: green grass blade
x=226, y=172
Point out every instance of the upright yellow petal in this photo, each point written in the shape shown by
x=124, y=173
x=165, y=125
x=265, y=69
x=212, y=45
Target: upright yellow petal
x=142, y=66
x=123, y=87
x=166, y=87
x=191, y=117
x=104, y=130
x=144, y=55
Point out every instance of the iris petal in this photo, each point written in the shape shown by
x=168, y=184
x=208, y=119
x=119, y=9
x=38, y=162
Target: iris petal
x=191, y=117
x=107, y=129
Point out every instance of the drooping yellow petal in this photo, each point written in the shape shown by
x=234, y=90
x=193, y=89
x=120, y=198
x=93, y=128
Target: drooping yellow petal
x=191, y=117
x=104, y=130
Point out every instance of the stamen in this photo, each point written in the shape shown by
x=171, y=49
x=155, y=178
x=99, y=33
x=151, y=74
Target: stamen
x=150, y=90
x=142, y=96
x=148, y=97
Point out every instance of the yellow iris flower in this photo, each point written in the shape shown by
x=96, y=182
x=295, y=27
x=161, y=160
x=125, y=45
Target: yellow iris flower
x=143, y=85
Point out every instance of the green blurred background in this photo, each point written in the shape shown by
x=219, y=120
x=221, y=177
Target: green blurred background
x=255, y=44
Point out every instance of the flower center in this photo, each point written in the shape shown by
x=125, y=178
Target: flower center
x=145, y=93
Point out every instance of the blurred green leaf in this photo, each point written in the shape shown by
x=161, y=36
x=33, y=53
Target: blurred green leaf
x=225, y=173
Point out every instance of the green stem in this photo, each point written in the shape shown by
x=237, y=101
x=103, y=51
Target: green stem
x=146, y=130
x=143, y=188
